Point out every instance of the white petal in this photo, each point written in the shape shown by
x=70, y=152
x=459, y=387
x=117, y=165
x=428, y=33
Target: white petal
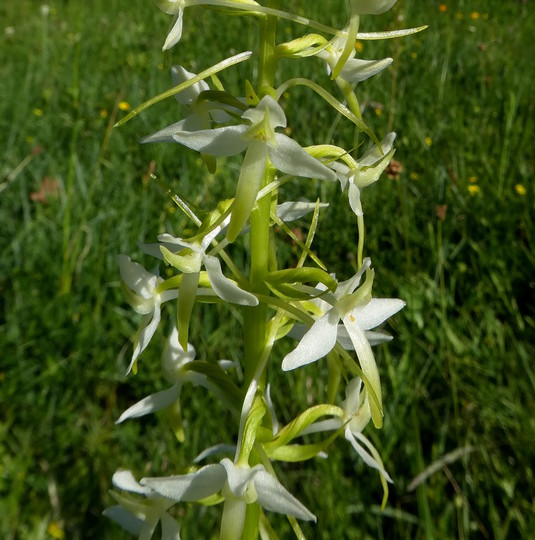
x=176, y=32
x=224, y=287
x=212, y=450
x=354, y=199
x=136, y=277
x=371, y=7
x=348, y=287
x=124, y=519
x=238, y=478
x=170, y=528
x=146, y=335
x=125, y=480
x=190, y=94
x=277, y=118
x=224, y=141
x=316, y=343
x=373, y=154
x=364, y=454
x=356, y=70
x=291, y=210
x=351, y=403
x=367, y=362
x=288, y=157
x=189, y=487
x=273, y=496
x=152, y=403
x=376, y=338
x=193, y=123
x=375, y=312
x=174, y=357
x=169, y=240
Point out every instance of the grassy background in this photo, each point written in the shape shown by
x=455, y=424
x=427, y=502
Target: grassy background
x=453, y=236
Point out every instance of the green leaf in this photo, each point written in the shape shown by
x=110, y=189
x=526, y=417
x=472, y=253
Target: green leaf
x=298, y=424
x=301, y=275
x=252, y=423
x=301, y=452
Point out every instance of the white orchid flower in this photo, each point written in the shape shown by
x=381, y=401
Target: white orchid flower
x=196, y=116
x=141, y=516
x=258, y=137
x=177, y=7
x=174, y=366
x=354, y=70
x=357, y=417
x=370, y=7
x=174, y=360
x=238, y=485
x=358, y=313
x=141, y=289
x=189, y=259
x=365, y=171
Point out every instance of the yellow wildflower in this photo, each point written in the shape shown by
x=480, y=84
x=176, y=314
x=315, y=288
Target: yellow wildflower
x=473, y=179
x=54, y=529
x=520, y=189
x=359, y=46
x=443, y=8
x=37, y=112
x=474, y=15
x=124, y=106
x=428, y=141
x=473, y=189
x=103, y=113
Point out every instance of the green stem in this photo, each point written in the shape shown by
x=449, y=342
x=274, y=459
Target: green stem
x=255, y=318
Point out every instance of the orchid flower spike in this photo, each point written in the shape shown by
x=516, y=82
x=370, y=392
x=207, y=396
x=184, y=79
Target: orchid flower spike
x=359, y=312
x=141, y=290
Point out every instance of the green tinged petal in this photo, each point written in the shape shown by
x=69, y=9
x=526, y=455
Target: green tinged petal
x=249, y=182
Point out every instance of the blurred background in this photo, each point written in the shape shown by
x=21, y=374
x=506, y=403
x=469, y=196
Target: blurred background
x=450, y=230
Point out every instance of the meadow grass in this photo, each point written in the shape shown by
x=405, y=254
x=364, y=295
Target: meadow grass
x=452, y=234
